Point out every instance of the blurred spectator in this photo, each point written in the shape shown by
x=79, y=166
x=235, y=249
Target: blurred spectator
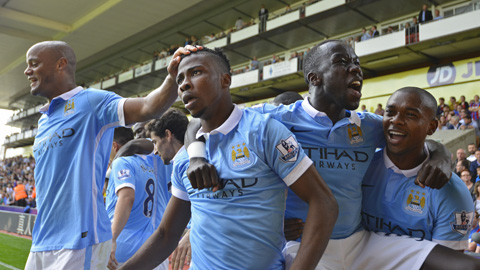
x=254, y=63
x=463, y=103
x=437, y=15
x=425, y=15
x=452, y=103
x=194, y=40
x=474, y=108
x=187, y=41
x=441, y=105
x=454, y=122
x=411, y=32
x=263, y=17
x=471, y=148
x=375, y=33
x=365, y=35
x=442, y=123
x=475, y=164
x=16, y=180
x=288, y=9
x=239, y=23
x=389, y=30
x=460, y=166
x=302, y=11
x=379, y=110
x=466, y=178
x=364, y=108
x=472, y=245
x=447, y=113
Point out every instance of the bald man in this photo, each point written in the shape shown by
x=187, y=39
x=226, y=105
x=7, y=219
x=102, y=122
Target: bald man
x=72, y=149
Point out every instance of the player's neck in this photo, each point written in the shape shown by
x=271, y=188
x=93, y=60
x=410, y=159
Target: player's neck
x=407, y=160
x=216, y=118
x=331, y=109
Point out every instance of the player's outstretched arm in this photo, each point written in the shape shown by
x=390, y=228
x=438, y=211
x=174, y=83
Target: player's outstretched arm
x=160, y=99
x=137, y=146
x=442, y=257
x=322, y=214
x=200, y=173
x=436, y=172
x=165, y=238
x=126, y=197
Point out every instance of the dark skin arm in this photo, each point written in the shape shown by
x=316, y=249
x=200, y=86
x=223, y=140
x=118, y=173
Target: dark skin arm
x=137, y=146
x=437, y=171
x=311, y=188
x=164, y=240
x=293, y=228
x=442, y=257
x=200, y=173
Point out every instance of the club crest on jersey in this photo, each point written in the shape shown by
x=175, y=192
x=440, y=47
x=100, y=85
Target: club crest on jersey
x=240, y=156
x=123, y=174
x=415, y=202
x=355, y=134
x=69, y=107
x=463, y=222
x=288, y=149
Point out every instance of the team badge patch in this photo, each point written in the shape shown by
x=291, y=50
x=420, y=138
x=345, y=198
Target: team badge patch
x=69, y=107
x=355, y=134
x=463, y=222
x=288, y=149
x=123, y=174
x=415, y=202
x=241, y=156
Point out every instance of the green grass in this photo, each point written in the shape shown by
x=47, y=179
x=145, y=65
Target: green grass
x=14, y=250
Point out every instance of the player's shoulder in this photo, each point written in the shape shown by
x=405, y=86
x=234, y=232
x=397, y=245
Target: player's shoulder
x=369, y=118
x=181, y=160
x=454, y=191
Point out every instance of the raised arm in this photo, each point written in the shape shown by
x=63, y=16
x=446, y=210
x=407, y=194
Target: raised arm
x=322, y=215
x=160, y=99
x=133, y=147
x=164, y=240
x=436, y=172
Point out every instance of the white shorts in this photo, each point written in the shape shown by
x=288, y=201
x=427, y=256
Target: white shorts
x=368, y=250
x=91, y=257
x=163, y=266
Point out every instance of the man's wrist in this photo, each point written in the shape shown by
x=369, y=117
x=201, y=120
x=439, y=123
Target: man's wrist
x=197, y=150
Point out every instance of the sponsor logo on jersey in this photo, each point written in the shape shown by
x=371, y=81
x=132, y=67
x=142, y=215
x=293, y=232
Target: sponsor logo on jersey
x=69, y=107
x=123, y=174
x=415, y=202
x=355, y=134
x=240, y=156
x=463, y=222
x=288, y=149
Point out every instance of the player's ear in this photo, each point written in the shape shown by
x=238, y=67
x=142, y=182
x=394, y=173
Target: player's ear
x=432, y=127
x=168, y=135
x=62, y=63
x=314, y=79
x=226, y=80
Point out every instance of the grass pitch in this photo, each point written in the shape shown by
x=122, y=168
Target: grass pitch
x=14, y=251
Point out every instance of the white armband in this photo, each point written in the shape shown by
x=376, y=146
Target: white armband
x=197, y=150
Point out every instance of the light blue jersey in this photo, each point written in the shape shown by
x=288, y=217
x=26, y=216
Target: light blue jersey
x=72, y=149
x=163, y=174
x=341, y=153
x=392, y=203
x=241, y=225
x=133, y=172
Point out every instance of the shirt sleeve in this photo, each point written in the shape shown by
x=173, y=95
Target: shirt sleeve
x=287, y=157
x=123, y=174
x=108, y=107
x=454, y=215
x=179, y=176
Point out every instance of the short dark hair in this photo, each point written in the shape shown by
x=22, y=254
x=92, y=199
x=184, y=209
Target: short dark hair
x=427, y=99
x=311, y=61
x=218, y=55
x=173, y=120
x=468, y=116
x=122, y=135
x=287, y=98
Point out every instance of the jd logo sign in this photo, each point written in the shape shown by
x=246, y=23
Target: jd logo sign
x=441, y=75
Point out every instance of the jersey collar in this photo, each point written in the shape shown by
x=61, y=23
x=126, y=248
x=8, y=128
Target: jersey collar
x=407, y=173
x=176, y=154
x=227, y=126
x=64, y=96
x=353, y=118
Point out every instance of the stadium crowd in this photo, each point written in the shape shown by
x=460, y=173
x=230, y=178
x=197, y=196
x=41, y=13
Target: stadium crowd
x=17, y=181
